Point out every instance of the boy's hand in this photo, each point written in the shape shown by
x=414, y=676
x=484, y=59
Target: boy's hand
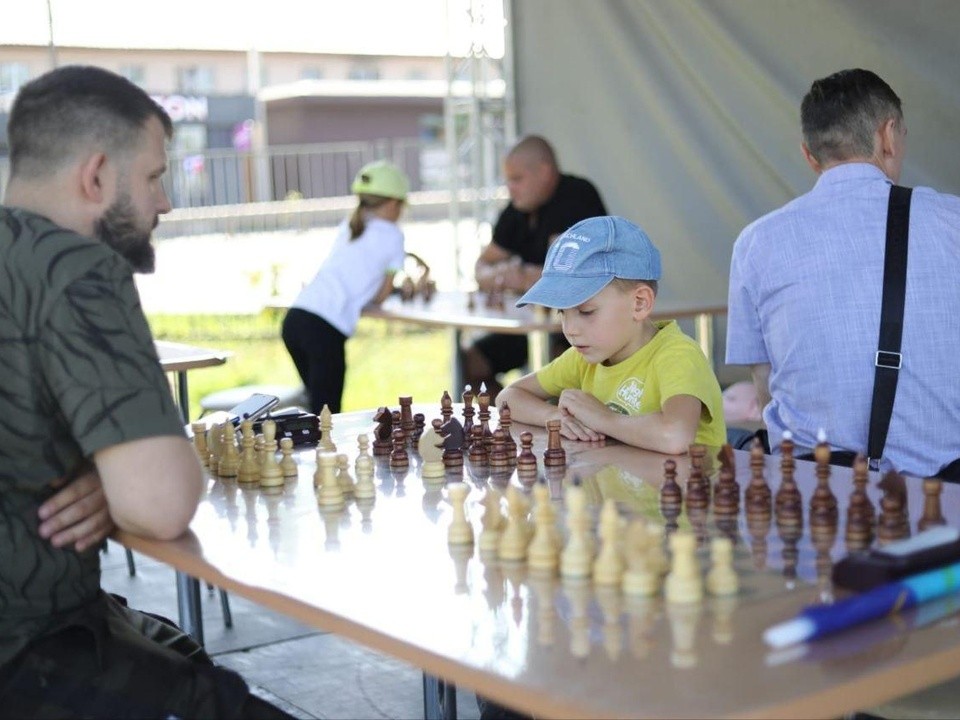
x=77, y=514
x=580, y=412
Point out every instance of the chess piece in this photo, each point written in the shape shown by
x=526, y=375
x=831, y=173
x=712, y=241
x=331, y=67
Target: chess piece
x=932, y=515
x=554, y=455
x=684, y=619
x=509, y=443
x=609, y=602
x=407, y=423
x=683, y=584
x=399, y=460
x=671, y=496
x=446, y=406
x=823, y=503
x=288, y=466
x=483, y=416
x=364, y=468
x=428, y=446
x=478, y=450
x=757, y=496
x=452, y=433
x=499, y=459
x=758, y=526
x=788, y=502
x=199, y=430
x=419, y=423
x=383, y=433
x=577, y=590
x=271, y=475
x=543, y=553
x=492, y=521
x=526, y=461
x=214, y=436
x=229, y=464
x=248, y=472
x=722, y=578
x=513, y=540
x=608, y=567
x=329, y=495
x=468, y=413
x=726, y=496
x=576, y=558
x=892, y=523
x=858, y=534
x=640, y=577
x=697, y=496
x=343, y=474
x=326, y=431
x=460, y=531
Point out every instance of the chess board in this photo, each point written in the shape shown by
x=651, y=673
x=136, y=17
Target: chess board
x=380, y=571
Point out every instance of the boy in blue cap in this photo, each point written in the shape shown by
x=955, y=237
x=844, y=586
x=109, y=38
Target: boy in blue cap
x=625, y=376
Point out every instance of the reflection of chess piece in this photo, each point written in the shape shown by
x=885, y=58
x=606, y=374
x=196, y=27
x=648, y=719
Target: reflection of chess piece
x=577, y=591
x=331, y=522
x=544, y=549
x=461, y=554
x=494, y=591
x=790, y=534
x=608, y=598
x=684, y=619
x=641, y=617
x=543, y=586
x=514, y=573
x=365, y=506
x=640, y=577
x=823, y=539
x=759, y=527
x=722, y=579
x=723, y=608
x=512, y=545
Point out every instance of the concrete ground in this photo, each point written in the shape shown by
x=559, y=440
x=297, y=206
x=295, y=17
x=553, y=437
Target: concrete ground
x=305, y=671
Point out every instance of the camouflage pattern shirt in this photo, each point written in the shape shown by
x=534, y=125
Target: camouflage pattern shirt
x=79, y=373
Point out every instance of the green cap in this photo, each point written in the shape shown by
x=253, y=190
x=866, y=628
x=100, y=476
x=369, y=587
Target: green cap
x=381, y=178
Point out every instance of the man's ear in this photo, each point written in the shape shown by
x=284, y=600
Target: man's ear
x=811, y=160
x=92, y=178
x=889, y=131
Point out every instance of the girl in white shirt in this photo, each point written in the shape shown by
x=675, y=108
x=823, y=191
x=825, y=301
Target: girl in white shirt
x=366, y=254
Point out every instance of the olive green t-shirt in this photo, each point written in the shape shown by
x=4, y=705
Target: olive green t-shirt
x=78, y=373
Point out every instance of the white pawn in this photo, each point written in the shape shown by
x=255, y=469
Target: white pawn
x=249, y=469
x=543, y=553
x=329, y=495
x=288, y=466
x=200, y=442
x=608, y=567
x=492, y=522
x=343, y=474
x=364, y=468
x=576, y=559
x=513, y=539
x=229, y=463
x=640, y=578
x=684, y=584
x=326, y=431
x=460, y=531
x=270, y=473
x=722, y=579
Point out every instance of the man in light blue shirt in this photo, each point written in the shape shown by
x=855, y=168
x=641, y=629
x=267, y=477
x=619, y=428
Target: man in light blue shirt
x=806, y=282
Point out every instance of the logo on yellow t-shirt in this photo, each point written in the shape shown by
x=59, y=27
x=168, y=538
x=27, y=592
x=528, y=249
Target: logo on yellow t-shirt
x=630, y=393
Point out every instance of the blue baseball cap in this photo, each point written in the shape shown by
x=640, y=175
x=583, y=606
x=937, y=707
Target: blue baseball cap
x=587, y=257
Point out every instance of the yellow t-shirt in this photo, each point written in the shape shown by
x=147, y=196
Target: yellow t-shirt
x=670, y=364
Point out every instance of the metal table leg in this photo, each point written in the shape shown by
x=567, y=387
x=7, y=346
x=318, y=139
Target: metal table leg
x=188, y=605
x=439, y=699
x=183, y=396
x=458, y=379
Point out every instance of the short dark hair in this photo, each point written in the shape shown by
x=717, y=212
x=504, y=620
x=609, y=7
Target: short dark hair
x=841, y=113
x=54, y=115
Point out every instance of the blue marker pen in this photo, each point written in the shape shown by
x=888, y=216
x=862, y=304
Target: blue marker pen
x=818, y=620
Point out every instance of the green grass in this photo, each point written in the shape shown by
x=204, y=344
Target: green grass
x=384, y=360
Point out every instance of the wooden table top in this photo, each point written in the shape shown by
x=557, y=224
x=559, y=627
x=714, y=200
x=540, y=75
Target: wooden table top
x=177, y=357
x=382, y=574
x=451, y=309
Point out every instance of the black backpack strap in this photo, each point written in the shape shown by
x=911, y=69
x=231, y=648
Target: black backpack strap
x=888, y=359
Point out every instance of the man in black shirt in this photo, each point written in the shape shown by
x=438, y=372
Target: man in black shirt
x=543, y=203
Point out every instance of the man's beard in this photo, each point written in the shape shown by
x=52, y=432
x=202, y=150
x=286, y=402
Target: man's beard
x=118, y=229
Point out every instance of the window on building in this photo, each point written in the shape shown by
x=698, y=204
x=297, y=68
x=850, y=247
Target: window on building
x=12, y=76
x=364, y=71
x=311, y=72
x=137, y=74
x=197, y=79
